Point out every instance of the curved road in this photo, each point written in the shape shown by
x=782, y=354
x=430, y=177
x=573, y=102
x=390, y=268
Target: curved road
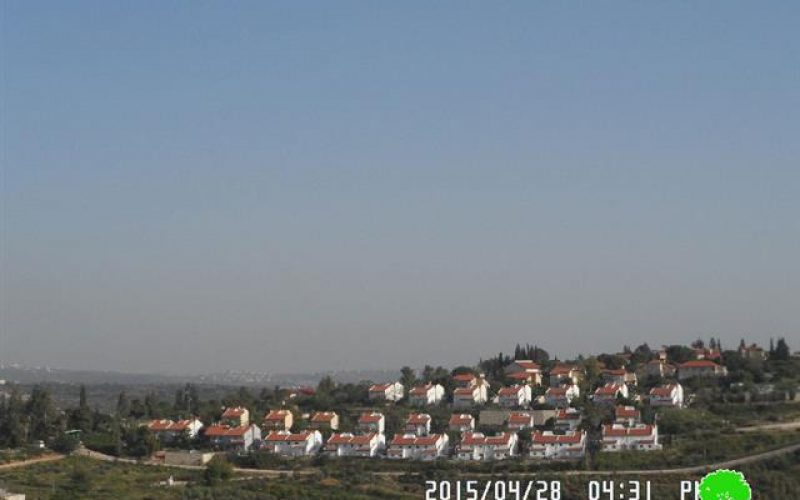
x=277, y=472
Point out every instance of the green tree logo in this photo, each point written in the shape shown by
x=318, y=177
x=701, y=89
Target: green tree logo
x=725, y=485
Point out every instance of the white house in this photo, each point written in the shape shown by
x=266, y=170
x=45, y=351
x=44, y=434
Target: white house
x=233, y=438
x=461, y=422
x=371, y=422
x=561, y=397
x=619, y=377
x=609, y=393
x=659, y=368
x=515, y=396
x=467, y=380
x=286, y=444
x=700, y=368
x=424, y=395
x=627, y=416
x=476, y=446
x=524, y=370
x=568, y=419
x=618, y=437
x=565, y=374
x=427, y=447
x=235, y=416
x=278, y=420
x=324, y=420
x=418, y=424
x=520, y=420
x=392, y=391
x=465, y=397
x=168, y=430
x=558, y=446
x=349, y=445
x=669, y=395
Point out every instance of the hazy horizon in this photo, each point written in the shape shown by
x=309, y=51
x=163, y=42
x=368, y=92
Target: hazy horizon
x=310, y=186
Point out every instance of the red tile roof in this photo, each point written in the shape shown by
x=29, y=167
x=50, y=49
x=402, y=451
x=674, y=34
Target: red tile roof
x=233, y=412
x=464, y=377
x=347, y=438
x=420, y=390
x=563, y=414
x=562, y=370
x=607, y=390
x=279, y=415
x=476, y=438
x=279, y=436
x=520, y=376
x=527, y=364
x=370, y=418
x=519, y=418
x=380, y=387
x=663, y=391
x=224, y=430
x=323, y=416
x=626, y=412
x=556, y=391
x=418, y=419
x=411, y=440
x=514, y=390
x=570, y=438
x=169, y=425
x=612, y=431
x=616, y=373
x=462, y=419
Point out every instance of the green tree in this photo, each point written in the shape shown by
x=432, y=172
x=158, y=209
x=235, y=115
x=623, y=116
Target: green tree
x=782, y=351
x=219, y=469
x=407, y=377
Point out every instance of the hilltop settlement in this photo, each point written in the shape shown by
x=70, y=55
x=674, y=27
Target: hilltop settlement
x=524, y=406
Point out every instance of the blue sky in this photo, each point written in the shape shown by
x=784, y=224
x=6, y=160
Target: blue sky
x=291, y=185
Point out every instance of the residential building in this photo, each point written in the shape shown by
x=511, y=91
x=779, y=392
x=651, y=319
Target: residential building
x=752, y=352
x=235, y=416
x=466, y=397
x=567, y=419
x=669, y=395
x=563, y=374
x=411, y=446
x=424, y=395
x=287, y=444
x=619, y=377
x=418, y=424
x=627, y=416
x=278, y=420
x=546, y=444
x=349, y=445
x=609, y=393
x=324, y=421
x=618, y=437
x=524, y=370
x=700, y=368
x=168, y=430
x=392, y=391
x=659, y=368
x=561, y=397
x=515, y=396
x=371, y=422
x=467, y=380
x=239, y=438
x=520, y=420
x=462, y=422
x=477, y=446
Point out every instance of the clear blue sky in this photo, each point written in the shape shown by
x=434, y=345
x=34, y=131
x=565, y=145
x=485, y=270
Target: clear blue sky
x=287, y=186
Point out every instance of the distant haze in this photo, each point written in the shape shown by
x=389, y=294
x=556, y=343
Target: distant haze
x=303, y=186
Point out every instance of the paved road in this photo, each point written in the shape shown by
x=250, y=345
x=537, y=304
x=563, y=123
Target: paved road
x=31, y=461
x=288, y=473
x=784, y=426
